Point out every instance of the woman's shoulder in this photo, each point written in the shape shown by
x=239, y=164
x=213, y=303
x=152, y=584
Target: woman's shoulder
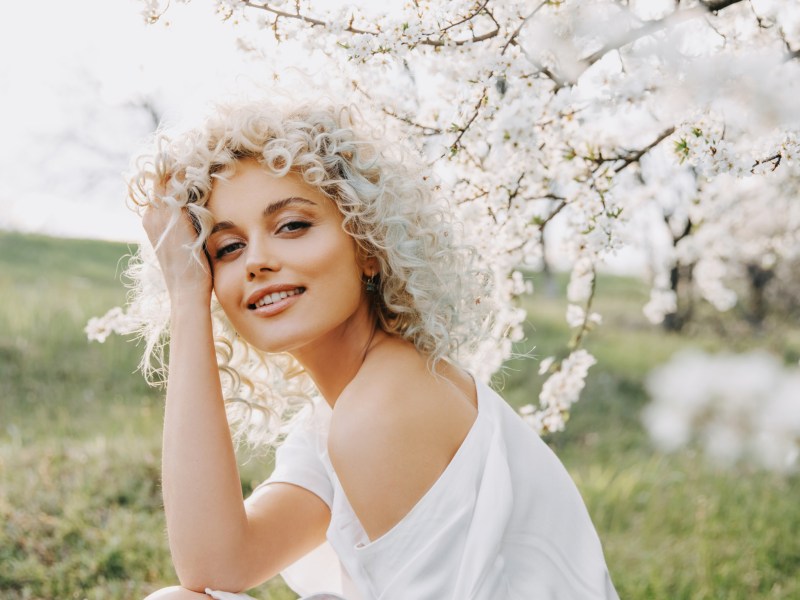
x=386, y=389
x=393, y=432
x=396, y=384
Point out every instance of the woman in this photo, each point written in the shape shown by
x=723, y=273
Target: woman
x=307, y=266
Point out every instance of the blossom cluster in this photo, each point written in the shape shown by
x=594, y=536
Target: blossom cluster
x=552, y=125
x=737, y=407
x=561, y=390
x=116, y=320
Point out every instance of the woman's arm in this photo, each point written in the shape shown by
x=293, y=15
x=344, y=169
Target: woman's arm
x=215, y=542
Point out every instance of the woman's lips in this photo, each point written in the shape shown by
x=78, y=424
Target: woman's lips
x=266, y=294
x=277, y=297
x=272, y=304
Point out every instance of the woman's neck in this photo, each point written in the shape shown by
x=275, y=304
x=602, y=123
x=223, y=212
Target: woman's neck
x=333, y=361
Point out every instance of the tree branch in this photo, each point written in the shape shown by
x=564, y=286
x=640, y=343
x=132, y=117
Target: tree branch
x=478, y=196
x=515, y=192
x=657, y=25
x=521, y=25
x=552, y=215
x=637, y=155
x=629, y=157
x=775, y=159
x=649, y=28
x=463, y=130
x=314, y=22
x=715, y=5
x=297, y=15
x=465, y=19
x=426, y=130
x=577, y=339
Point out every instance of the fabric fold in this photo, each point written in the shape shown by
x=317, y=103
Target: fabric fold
x=504, y=521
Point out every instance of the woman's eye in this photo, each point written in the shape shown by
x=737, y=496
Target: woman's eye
x=228, y=248
x=293, y=226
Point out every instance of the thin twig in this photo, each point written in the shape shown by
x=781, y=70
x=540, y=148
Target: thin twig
x=521, y=25
x=637, y=155
x=717, y=5
x=513, y=194
x=552, y=215
x=427, y=130
x=775, y=159
x=462, y=130
x=465, y=19
x=649, y=28
x=577, y=340
x=653, y=26
x=482, y=194
x=350, y=29
x=543, y=70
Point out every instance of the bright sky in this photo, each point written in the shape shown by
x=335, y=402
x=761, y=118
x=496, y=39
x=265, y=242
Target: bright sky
x=73, y=78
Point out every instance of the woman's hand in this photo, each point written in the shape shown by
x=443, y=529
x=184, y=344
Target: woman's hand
x=186, y=278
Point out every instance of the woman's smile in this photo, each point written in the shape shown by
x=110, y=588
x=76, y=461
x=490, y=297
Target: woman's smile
x=274, y=299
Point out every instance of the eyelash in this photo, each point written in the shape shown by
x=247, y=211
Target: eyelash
x=227, y=249
x=302, y=225
x=234, y=246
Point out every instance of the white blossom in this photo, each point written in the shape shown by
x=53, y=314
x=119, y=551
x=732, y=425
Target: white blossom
x=581, y=281
x=662, y=302
x=576, y=114
x=545, y=365
x=114, y=321
x=575, y=315
x=561, y=390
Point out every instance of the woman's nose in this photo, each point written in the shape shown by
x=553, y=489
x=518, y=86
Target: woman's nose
x=260, y=260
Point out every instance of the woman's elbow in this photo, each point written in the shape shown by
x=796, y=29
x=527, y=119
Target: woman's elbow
x=198, y=577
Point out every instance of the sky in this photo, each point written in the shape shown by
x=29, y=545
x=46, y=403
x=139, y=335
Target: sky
x=80, y=82
x=77, y=82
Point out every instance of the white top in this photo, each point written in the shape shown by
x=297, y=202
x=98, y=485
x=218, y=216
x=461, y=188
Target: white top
x=504, y=521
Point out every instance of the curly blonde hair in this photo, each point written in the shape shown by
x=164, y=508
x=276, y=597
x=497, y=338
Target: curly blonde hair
x=430, y=292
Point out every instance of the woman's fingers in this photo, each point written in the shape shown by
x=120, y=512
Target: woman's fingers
x=172, y=234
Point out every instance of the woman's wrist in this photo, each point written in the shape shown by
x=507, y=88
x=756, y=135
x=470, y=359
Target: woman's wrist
x=190, y=305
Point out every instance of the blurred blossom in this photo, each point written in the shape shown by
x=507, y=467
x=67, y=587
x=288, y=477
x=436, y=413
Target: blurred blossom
x=561, y=390
x=545, y=365
x=581, y=281
x=736, y=407
x=662, y=302
x=114, y=321
x=575, y=315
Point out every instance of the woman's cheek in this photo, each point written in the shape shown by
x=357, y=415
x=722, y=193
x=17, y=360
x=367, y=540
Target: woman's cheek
x=223, y=289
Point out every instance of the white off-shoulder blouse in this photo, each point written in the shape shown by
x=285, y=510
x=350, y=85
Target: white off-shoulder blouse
x=504, y=521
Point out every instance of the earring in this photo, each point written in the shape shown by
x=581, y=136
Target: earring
x=371, y=284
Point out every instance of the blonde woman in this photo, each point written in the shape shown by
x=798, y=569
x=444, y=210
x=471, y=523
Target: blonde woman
x=318, y=288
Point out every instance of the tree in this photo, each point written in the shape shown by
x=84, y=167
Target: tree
x=581, y=113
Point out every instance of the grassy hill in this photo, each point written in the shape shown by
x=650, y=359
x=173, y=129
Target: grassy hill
x=80, y=508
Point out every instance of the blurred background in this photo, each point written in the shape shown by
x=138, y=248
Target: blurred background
x=685, y=440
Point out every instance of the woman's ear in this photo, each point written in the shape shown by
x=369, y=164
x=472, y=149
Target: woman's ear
x=370, y=266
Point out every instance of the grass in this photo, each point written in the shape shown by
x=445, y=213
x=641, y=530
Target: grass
x=80, y=507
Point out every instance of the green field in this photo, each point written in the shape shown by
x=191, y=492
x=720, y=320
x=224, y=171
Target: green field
x=80, y=508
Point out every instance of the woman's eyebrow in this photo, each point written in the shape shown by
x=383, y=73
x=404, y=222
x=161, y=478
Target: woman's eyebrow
x=221, y=226
x=269, y=211
x=281, y=204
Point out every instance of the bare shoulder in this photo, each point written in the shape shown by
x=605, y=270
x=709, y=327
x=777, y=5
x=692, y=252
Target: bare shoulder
x=394, y=430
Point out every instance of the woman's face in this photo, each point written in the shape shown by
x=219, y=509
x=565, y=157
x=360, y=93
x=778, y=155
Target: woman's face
x=285, y=272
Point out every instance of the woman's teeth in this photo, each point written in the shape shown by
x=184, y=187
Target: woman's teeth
x=276, y=296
